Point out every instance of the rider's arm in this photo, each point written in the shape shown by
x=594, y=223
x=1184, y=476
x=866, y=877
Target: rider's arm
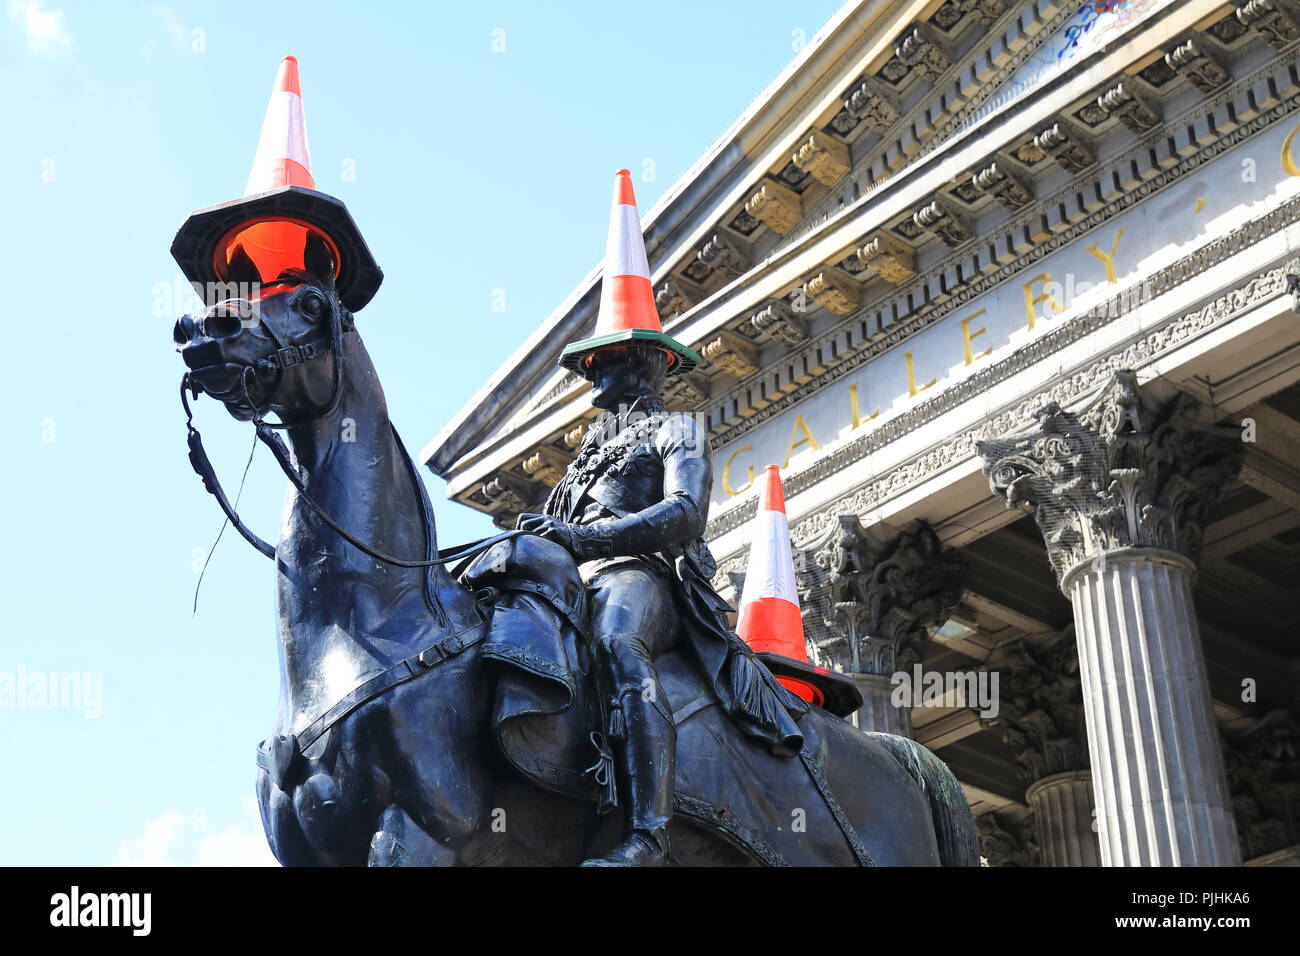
x=677, y=520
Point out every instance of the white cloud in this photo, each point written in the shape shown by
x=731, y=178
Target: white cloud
x=178, y=35
x=181, y=839
x=43, y=28
x=172, y=26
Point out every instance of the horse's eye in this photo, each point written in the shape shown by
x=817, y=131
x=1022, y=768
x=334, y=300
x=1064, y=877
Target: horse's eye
x=312, y=305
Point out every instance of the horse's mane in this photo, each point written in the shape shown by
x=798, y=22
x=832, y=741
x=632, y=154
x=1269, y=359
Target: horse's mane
x=303, y=276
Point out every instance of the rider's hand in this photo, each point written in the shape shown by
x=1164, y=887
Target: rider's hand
x=544, y=526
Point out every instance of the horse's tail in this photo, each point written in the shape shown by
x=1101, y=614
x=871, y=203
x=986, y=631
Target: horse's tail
x=954, y=826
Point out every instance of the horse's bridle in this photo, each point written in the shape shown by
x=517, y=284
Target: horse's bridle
x=286, y=356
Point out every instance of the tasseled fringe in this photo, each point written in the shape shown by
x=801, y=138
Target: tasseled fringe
x=758, y=695
x=617, y=722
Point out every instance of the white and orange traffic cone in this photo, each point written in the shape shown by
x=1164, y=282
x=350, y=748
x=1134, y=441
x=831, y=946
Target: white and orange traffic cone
x=281, y=208
x=282, y=157
x=770, y=621
x=627, y=302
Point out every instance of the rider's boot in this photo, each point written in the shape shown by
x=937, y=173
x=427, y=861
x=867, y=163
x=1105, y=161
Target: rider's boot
x=648, y=773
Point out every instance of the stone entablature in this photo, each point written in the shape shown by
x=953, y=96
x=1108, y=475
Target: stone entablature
x=1071, y=386
x=1128, y=296
x=1002, y=252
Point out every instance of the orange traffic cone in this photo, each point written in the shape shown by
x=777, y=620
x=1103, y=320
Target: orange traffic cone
x=770, y=621
x=282, y=158
x=627, y=303
x=280, y=209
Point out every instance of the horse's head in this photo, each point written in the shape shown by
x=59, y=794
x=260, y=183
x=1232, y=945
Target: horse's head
x=273, y=350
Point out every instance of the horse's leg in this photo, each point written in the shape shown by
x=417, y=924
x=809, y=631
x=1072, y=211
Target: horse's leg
x=436, y=748
x=399, y=841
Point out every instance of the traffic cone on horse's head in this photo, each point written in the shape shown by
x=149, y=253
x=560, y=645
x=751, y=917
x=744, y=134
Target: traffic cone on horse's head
x=282, y=157
x=627, y=301
x=280, y=210
x=770, y=621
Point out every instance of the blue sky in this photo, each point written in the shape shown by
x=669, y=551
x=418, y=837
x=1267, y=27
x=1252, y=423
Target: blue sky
x=475, y=171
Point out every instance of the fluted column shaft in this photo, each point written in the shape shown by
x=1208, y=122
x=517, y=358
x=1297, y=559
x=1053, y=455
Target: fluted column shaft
x=1159, y=784
x=1062, y=805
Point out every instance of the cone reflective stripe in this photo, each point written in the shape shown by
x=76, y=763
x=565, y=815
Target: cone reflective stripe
x=769, y=618
x=282, y=158
x=627, y=301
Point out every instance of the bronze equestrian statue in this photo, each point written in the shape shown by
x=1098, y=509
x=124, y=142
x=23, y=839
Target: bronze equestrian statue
x=431, y=716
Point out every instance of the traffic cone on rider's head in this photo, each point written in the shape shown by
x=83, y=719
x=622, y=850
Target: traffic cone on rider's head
x=280, y=210
x=770, y=621
x=627, y=302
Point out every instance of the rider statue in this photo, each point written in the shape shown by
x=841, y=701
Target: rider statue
x=632, y=509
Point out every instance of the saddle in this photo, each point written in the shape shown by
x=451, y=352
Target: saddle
x=548, y=716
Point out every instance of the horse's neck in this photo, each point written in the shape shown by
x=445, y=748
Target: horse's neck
x=343, y=614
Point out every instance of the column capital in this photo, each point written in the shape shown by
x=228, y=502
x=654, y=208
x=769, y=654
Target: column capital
x=1125, y=472
x=1263, y=778
x=881, y=599
x=1040, y=706
x=1006, y=841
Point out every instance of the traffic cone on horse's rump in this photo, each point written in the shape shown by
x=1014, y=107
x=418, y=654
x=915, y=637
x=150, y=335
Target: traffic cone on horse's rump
x=281, y=208
x=627, y=301
x=770, y=621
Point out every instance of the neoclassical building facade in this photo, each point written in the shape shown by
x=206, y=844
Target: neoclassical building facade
x=1009, y=291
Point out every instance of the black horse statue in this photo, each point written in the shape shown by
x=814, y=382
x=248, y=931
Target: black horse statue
x=431, y=718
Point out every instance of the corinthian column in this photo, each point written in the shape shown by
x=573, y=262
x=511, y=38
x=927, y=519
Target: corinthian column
x=1119, y=492
x=1040, y=716
x=880, y=602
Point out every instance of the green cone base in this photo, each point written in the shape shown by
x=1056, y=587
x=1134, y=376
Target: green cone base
x=574, y=355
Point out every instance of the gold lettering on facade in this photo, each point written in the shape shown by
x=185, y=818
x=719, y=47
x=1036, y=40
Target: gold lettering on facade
x=1288, y=159
x=800, y=426
x=912, y=390
x=967, y=335
x=1031, y=300
x=726, y=474
x=853, y=407
x=1108, y=260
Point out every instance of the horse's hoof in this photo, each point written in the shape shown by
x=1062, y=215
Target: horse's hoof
x=636, y=850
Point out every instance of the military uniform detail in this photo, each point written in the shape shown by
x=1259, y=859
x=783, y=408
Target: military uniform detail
x=638, y=493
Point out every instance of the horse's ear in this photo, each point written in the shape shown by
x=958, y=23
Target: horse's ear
x=317, y=260
x=241, y=269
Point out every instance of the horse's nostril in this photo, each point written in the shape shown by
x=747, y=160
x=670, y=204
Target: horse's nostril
x=182, y=331
x=220, y=324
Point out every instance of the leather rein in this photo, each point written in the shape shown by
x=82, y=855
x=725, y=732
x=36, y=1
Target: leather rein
x=282, y=358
